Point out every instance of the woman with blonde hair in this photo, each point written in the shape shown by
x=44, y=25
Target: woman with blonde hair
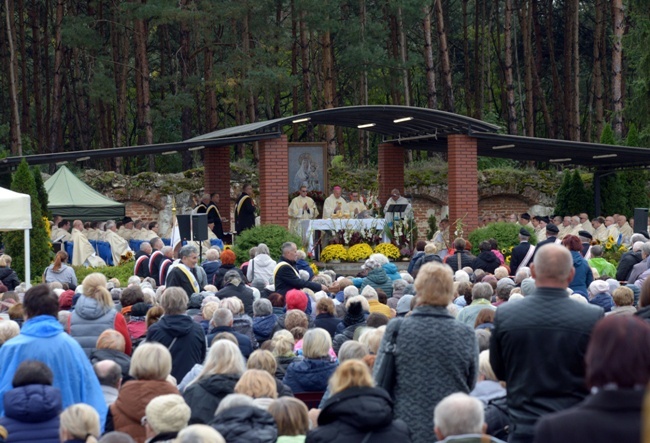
x=150, y=366
x=429, y=341
x=290, y=415
x=282, y=345
x=357, y=410
x=79, y=423
x=312, y=373
x=59, y=271
x=259, y=385
x=223, y=367
x=94, y=313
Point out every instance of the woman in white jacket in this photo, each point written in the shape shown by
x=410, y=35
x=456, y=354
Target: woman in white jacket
x=262, y=265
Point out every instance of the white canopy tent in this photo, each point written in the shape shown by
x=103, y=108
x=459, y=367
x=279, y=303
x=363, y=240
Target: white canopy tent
x=15, y=215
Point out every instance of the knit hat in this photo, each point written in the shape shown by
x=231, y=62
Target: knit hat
x=404, y=304
x=296, y=299
x=527, y=286
x=369, y=293
x=65, y=300
x=354, y=314
x=598, y=286
x=167, y=413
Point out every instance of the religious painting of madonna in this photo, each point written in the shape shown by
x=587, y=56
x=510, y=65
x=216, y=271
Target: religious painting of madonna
x=307, y=166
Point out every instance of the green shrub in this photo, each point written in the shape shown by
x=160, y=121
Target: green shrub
x=39, y=247
x=271, y=235
x=122, y=273
x=506, y=235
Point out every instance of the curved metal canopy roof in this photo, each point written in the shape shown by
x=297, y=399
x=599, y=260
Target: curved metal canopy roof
x=402, y=123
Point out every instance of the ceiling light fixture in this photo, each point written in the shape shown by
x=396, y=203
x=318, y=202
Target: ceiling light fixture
x=605, y=156
x=170, y=152
x=83, y=159
x=503, y=147
x=301, y=120
x=196, y=148
x=559, y=160
x=402, y=120
x=366, y=125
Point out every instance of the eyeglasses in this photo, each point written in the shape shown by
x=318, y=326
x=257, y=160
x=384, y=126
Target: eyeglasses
x=144, y=421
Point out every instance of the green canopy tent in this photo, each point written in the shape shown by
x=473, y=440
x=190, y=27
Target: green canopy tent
x=71, y=198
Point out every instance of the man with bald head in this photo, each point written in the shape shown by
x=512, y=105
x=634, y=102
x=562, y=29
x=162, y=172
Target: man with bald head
x=538, y=344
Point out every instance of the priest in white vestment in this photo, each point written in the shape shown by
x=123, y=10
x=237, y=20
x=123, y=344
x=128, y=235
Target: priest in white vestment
x=119, y=246
x=335, y=205
x=83, y=253
x=301, y=208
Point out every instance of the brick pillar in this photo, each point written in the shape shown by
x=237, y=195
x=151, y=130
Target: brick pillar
x=391, y=170
x=462, y=182
x=274, y=181
x=216, y=178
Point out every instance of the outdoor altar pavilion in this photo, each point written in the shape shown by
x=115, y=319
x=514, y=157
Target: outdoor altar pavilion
x=402, y=127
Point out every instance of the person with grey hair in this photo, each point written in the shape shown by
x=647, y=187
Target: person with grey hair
x=222, y=321
x=233, y=286
x=265, y=322
x=183, y=273
x=526, y=332
x=642, y=266
x=116, y=437
x=629, y=259
x=238, y=419
x=141, y=267
x=183, y=337
x=286, y=274
x=377, y=277
x=348, y=293
x=398, y=291
x=481, y=297
x=459, y=417
x=262, y=265
x=522, y=273
x=599, y=262
x=503, y=293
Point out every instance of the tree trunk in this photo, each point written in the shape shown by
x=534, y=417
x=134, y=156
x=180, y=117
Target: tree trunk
x=468, y=74
x=16, y=139
x=306, y=72
x=568, y=64
x=142, y=75
x=432, y=95
x=295, y=100
x=211, y=115
x=448, y=87
x=25, y=120
x=57, y=83
x=599, y=44
x=618, y=22
x=524, y=9
x=184, y=65
x=558, y=114
x=36, y=77
x=576, y=70
x=510, y=84
x=329, y=89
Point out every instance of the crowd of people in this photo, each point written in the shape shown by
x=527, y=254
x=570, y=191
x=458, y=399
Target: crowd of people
x=552, y=346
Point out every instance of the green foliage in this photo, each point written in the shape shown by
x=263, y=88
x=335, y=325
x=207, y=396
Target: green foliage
x=122, y=272
x=613, y=187
x=607, y=136
x=271, y=235
x=635, y=182
x=572, y=197
x=40, y=252
x=43, y=198
x=431, y=221
x=506, y=235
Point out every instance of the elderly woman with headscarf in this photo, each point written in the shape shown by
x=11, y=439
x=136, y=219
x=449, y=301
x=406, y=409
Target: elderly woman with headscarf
x=377, y=277
x=435, y=354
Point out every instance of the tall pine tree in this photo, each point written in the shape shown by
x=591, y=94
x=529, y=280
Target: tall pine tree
x=40, y=251
x=612, y=188
x=562, y=197
x=635, y=182
x=43, y=198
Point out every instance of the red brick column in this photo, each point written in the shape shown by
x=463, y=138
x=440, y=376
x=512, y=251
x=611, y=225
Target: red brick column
x=391, y=170
x=462, y=182
x=216, y=178
x=274, y=181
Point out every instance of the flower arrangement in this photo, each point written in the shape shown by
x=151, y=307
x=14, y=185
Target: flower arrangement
x=507, y=253
x=334, y=252
x=314, y=268
x=389, y=250
x=612, y=251
x=360, y=251
x=126, y=257
x=48, y=229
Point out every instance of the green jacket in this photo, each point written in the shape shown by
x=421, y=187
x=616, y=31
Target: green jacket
x=603, y=267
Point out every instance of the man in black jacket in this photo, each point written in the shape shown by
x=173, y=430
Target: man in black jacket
x=141, y=268
x=286, y=276
x=628, y=260
x=538, y=344
x=551, y=237
x=214, y=216
x=183, y=273
x=522, y=254
x=233, y=286
x=180, y=334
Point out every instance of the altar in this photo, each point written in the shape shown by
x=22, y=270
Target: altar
x=310, y=227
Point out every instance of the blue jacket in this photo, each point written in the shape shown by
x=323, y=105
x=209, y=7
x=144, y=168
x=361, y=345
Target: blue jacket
x=583, y=276
x=210, y=268
x=245, y=345
x=303, y=265
x=604, y=300
x=309, y=375
x=391, y=271
x=42, y=338
x=265, y=327
x=32, y=414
